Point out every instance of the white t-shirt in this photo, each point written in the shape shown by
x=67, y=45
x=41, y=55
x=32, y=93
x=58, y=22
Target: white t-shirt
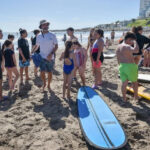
x=47, y=43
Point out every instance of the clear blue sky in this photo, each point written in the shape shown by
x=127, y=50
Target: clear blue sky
x=64, y=13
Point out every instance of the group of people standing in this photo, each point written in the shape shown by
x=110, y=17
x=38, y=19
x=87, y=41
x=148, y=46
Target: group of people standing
x=74, y=57
x=43, y=53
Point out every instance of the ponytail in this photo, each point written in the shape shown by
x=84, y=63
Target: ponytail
x=22, y=31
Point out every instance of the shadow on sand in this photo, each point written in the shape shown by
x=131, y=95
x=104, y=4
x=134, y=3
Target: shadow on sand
x=141, y=113
x=54, y=111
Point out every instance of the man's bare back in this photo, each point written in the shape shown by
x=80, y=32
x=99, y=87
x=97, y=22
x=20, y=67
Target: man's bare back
x=125, y=53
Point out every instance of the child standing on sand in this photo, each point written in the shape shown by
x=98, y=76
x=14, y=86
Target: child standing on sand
x=10, y=63
x=36, y=54
x=127, y=67
x=80, y=60
x=68, y=67
x=97, y=56
x=24, y=54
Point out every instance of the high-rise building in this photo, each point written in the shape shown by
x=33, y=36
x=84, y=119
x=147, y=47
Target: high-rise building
x=144, y=8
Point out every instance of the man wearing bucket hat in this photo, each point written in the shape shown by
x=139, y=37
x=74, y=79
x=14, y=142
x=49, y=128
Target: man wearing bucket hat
x=48, y=45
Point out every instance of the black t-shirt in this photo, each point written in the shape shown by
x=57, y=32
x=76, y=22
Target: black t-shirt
x=8, y=55
x=24, y=45
x=141, y=40
x=34, y=43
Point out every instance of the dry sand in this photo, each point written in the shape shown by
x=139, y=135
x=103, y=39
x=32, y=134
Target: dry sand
x=31, y=120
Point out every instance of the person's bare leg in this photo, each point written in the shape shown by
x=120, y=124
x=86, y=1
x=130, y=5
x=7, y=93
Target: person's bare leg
x=49, y=80
x=91, y=63
x=43, y=79
x=15, y=71
x=96, y=77
x=21, y=75
x=137, y=59
x=99, y=76
x=148, y=59
x=64, y=85
x=35, y=71
x=135, y=88
x=69, y=85
x=145, y=58
x=124, y=90
x=81, y=72
x=1, y=97
x=9, y=72
x=27, y=73
x=74, y=72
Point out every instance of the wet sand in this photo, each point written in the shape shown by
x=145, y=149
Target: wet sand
x=31, y=120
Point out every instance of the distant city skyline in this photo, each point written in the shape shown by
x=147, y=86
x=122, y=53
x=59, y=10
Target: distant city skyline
x=64, y=13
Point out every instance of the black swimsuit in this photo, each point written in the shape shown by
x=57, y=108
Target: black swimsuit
x=8, y=55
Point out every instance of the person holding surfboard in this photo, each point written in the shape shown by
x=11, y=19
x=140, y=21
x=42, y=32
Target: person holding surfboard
x=69, y=61
x=97, y=56
x=128, y=69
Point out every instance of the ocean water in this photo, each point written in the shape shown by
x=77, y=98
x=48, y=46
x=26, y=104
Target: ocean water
x=60, y=36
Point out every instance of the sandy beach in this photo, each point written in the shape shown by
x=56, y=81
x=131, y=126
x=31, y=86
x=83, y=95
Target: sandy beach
x=31, y=120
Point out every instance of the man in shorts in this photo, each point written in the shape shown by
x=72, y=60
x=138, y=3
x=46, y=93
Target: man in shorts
x=128, y=69
x=48, y=45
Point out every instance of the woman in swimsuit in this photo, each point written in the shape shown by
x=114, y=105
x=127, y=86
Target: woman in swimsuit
x=68, y=56
x=80, y=60
x=97, y=56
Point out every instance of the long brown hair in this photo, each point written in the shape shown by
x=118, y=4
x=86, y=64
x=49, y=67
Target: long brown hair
x=5, y=45
x=68, y=46
x=137, y=29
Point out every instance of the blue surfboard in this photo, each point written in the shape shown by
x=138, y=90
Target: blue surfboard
x=99, y=125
